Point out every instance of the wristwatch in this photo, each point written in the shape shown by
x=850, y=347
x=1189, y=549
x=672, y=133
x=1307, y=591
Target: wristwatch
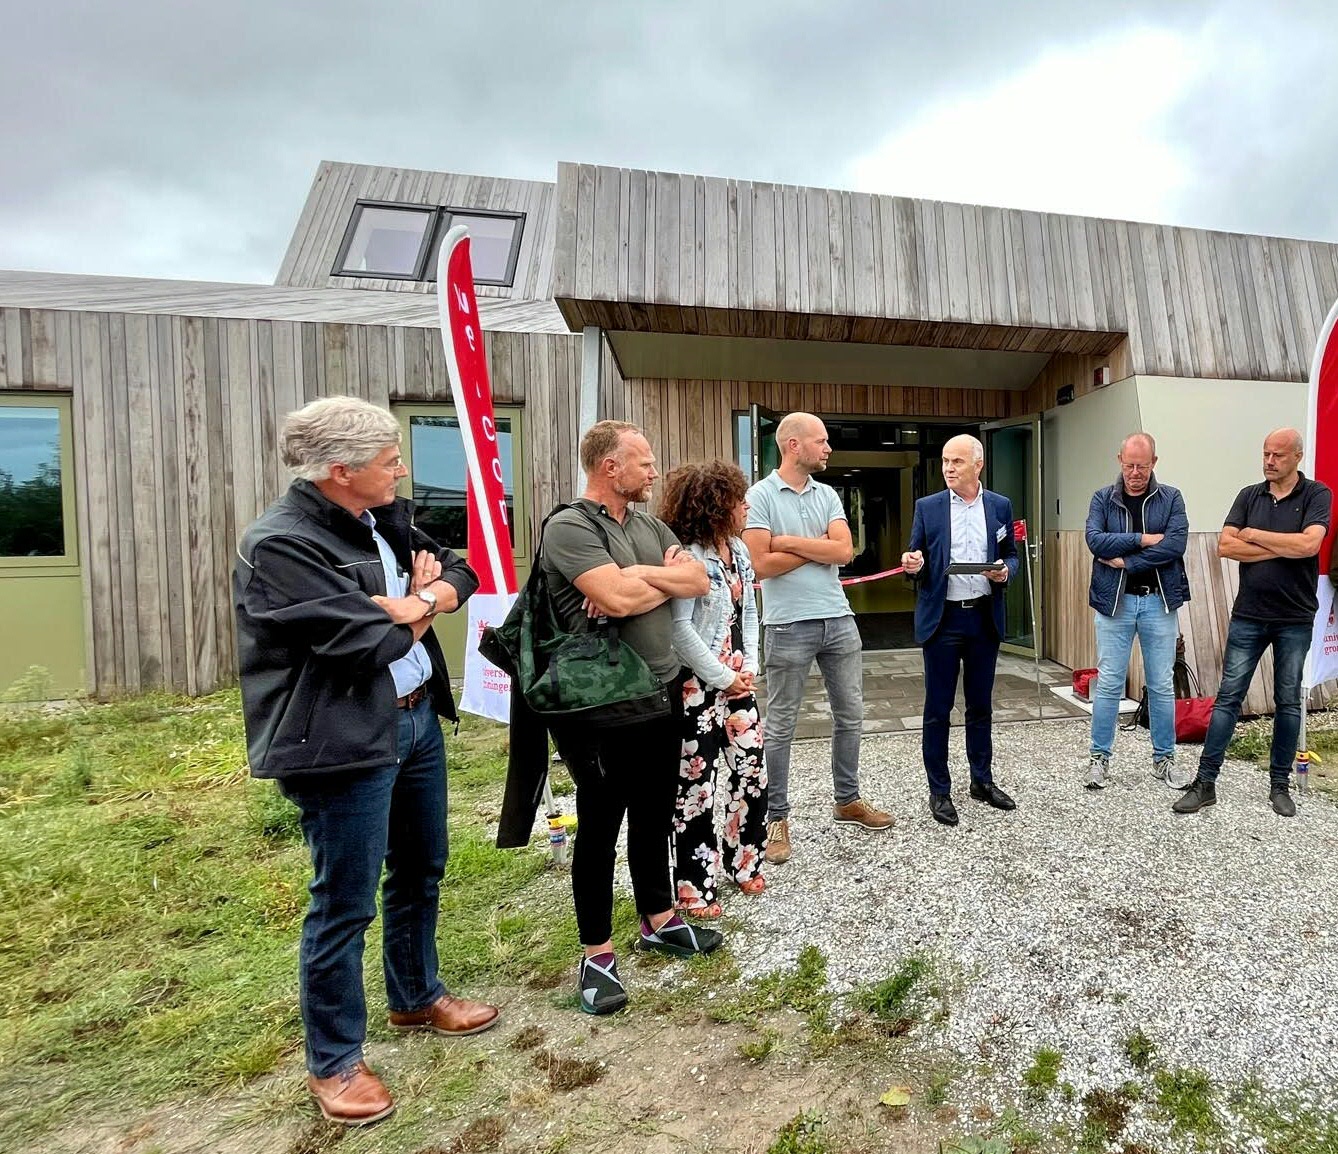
x=429, y=599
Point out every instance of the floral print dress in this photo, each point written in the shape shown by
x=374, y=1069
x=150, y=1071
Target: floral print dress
x=716, y=726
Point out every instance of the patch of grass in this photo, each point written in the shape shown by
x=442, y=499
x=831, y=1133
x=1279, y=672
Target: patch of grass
x=802, y=989
x=528, y=1038
x=1106, y=1111
x=892, y=999
x=936, y=1089
x=481, y=1135
x=1285, y=1123
x=757, y=1048
x=151, y=895
x=1019, y=1134
x=1140, y=1050
x=564, y=1073
x=1042, y=1076
x=1185, y=1097
x=803, y=1134
x=975, y=1144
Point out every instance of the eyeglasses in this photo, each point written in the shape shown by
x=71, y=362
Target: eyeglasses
x=1135, y=468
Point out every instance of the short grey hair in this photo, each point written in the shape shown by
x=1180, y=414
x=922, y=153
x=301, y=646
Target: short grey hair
x=1147, y=437
x=335, y=431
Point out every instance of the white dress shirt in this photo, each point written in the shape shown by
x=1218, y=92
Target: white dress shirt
x=970, y=543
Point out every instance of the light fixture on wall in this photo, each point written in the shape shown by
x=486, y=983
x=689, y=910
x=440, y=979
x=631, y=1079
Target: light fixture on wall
x=1065, y=395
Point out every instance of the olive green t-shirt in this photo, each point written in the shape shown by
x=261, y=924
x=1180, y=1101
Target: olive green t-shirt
x=572, y=546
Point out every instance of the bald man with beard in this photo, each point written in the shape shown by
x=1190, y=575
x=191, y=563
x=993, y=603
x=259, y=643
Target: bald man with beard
x=1275, y=530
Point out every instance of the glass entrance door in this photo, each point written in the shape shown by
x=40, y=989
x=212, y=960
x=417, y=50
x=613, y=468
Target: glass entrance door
x=1013, y=468
x=765, y=451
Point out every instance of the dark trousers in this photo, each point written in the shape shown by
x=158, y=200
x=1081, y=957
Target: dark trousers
x=1246, y=642
x=965, y=640
x=629, y=770
x=352, y=823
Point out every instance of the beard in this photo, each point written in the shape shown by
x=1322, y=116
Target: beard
x=634, y=496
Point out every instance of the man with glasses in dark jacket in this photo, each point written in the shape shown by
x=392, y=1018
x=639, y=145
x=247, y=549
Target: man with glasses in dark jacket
x=1137, y=531
x=342, y=681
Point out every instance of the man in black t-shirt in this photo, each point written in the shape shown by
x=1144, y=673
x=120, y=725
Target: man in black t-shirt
x=1274, y=530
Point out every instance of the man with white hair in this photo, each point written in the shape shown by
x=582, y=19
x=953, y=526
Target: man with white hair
x=798, y=537
x=342, y=680
x=1275, y=530
x=959, y=617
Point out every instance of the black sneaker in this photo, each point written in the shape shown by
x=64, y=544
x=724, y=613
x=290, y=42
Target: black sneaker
x=1283, y=805
x=1198, y=795
x=679, y=939
x=600, y=988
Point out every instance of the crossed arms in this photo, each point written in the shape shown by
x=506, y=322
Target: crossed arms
x=775, y=555
x=611, y=591
x=1249, y=544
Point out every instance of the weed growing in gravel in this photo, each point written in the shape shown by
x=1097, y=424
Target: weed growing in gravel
x=1185, y=1096
x=1139, y=1049
x=1285, y=1123
x=977, y=1145
x=1042, y=1076
x=803, y=1134
x=1106, y=1112
x=891, y=998
x=1020, y=1135
x=936, y=1089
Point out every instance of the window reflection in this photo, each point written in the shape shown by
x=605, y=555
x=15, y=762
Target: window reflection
x=31, y=513
x=437, y=452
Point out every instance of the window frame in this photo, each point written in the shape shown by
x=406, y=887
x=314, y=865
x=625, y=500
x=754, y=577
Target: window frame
x=69, y=561
x=447, y=221
x=520, y=551
x=431, y=211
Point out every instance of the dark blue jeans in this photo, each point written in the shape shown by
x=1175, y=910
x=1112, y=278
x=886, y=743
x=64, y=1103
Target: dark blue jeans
x=1246, y=642
x=354, y=822
x=965, y=640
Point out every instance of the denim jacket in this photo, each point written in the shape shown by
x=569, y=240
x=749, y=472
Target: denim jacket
x=1110, y=534
x=701, y=623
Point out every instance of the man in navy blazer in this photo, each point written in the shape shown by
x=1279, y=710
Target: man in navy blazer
x=959, y=618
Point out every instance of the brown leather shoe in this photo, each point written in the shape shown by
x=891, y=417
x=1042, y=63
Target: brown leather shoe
x=354, y=1096
x=860, y=812
x=778, y=841
x=448, y=1015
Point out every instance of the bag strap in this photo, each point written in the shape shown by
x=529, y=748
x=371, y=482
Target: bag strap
x=603, y=624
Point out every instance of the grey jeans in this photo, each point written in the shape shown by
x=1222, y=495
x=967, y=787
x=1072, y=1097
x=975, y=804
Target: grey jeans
x=790, y=652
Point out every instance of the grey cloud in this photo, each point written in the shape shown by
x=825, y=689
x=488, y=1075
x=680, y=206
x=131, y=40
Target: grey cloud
x=218, y=114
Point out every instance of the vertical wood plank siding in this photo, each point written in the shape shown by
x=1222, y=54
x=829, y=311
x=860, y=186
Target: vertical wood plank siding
x=314, y=246
x=778, y=261
x=175, y=441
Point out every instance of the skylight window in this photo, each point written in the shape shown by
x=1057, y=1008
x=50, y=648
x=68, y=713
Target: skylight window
x=401, y=241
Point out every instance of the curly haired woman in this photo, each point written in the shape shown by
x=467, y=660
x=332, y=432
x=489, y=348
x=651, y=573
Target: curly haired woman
x=715, y=637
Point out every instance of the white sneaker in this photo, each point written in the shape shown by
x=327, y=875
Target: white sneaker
x=1098, y=766
x=1177, y=777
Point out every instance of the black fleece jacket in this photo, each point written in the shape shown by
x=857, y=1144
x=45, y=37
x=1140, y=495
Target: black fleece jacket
x=314, y=650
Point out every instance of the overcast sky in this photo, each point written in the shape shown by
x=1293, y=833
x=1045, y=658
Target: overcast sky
x=179, y=139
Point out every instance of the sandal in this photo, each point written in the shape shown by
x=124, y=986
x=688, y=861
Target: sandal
x=705, y=911
x=753, y=886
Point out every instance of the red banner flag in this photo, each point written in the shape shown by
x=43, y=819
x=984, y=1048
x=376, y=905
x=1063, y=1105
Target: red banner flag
x=1321, y=463
x=1019, y=530
x=486, y=689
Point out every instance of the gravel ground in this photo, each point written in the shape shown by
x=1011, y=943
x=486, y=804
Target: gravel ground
x=1076, y=919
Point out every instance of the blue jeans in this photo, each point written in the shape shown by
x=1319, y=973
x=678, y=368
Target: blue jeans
x=791, y=649
x=1146, y=618
x=965, y=642
x=353, y=822
x=1246, y=642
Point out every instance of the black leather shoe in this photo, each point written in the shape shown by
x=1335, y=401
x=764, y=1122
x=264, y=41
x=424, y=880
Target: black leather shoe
x=991, y=794
x=1283, y=805
x=1198, y=795
x=940, y=805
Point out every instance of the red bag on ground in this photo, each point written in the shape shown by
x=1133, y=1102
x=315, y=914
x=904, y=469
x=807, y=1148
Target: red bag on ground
x=1082, y=683
x=1192, y=715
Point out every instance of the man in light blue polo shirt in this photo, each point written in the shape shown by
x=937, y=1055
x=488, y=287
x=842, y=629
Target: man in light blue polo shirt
x=798, y=536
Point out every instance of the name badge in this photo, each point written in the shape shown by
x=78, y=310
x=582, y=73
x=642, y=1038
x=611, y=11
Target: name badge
x=1001, y=534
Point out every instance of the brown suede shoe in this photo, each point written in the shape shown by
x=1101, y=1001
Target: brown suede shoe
x=354, y=1096
x=778, y=841
x=448, y=1015
x=860, y=812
